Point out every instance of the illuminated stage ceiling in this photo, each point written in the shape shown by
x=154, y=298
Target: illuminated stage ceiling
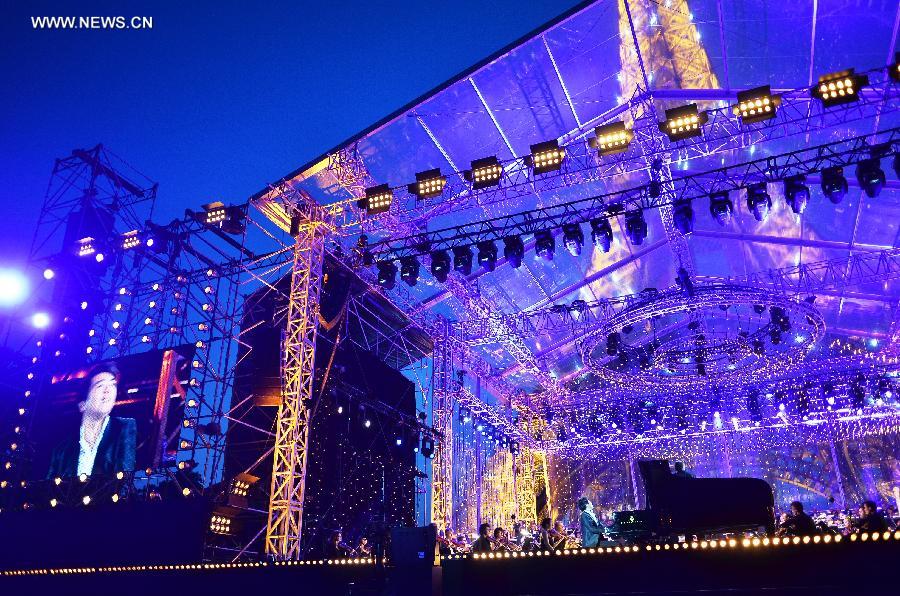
x=566, y=78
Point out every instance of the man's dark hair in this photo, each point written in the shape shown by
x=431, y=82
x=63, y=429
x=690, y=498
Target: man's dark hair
x=679, y=466
x=546, y=523
x=583, y=503
x=798, y=506
x=484, y=528
x=871, y=505
x=104, y=367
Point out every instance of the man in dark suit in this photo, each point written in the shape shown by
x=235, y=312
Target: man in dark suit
x=591, y=530
x=483, y=544
x=104, y=444
x=798, y=523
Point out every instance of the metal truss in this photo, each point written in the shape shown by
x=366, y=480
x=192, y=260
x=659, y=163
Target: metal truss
x=285, y=516
x=442, y=420
x=686, y=188
x=478, y=306
x=579, y=316
x=798, y=115
x=183, y=292
x=351, y=170
x=523, y=466
x=100, y=177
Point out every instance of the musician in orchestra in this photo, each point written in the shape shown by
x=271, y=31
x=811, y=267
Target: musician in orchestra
x=501, y=540
x=483, y=544
x=798, y=523
x=591, y=530
x=544, y=535
x=363, y=549
x=870, y=519
x=680, y=472
x=522, y=537
x=558, y=537
x=335, y=547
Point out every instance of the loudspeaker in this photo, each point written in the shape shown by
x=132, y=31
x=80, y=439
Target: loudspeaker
x=414, y=547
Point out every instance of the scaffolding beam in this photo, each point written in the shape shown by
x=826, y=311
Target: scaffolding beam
x=285, y=520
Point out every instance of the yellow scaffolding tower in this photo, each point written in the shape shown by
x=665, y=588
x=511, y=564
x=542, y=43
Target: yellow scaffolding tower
x=283, y=529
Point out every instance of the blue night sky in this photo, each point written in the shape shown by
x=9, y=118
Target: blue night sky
x=221, y=97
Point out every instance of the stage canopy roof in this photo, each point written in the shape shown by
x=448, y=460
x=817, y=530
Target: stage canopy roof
x=578, y=71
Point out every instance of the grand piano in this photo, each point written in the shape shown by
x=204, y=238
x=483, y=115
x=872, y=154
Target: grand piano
x=679, y=505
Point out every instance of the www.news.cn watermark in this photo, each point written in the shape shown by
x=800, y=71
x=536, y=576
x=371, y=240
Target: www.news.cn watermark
x=109, y=22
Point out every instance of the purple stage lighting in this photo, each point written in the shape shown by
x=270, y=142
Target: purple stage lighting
x=13, y=287
x=758, y=201
x=601, y=234
x=40, y=320
x=797, y=193
x=635, y=227
x=721, y=208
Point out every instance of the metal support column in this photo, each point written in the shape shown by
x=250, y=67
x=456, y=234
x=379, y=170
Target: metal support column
x=292, y=425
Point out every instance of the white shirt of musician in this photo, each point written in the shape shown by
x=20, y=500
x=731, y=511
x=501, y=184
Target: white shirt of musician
x=593, y=517
x=87, y=453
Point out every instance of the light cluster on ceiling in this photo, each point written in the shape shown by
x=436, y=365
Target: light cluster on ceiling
x=753, y=106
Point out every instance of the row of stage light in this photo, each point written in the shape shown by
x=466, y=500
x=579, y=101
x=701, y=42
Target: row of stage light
x=870, y=176
x=681, y=123
x=228, y=219
x=713, y=544
x=354, y=561
x=702, y=545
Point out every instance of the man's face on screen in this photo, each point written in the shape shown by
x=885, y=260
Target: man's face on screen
x=101, y=395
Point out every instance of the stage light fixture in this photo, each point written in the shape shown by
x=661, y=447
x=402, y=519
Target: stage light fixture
x=870, y=176
x=721, y=207
x=485, y=172
x=428, y=184
x=544, y=244
x=683, y=217
x=834, y=185
x=573, y=239
x=611, y=138
x=215, y=213
x=428, y=447
x=756, y=105
x=49, y=273
x=462, y=259
x=387, y=274
x=894, y=69
x=222, y=521
x=514, y=251
x=40, y=320
x=409, y=270
x=796, y=193
x=683, y=122
x=86, y=246
x=487, y=255
x=839, y=87
x=601, y=233
x=239, y=489
x=440, y=265
x=758, y=201
x=635, y=227
x=378, y=199
x=546, y=157
x=131, y=240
